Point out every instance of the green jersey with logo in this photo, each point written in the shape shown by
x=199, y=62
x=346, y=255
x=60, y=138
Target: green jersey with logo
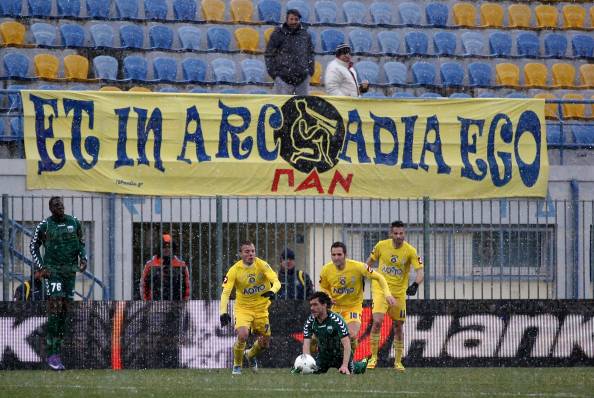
x=329, y=334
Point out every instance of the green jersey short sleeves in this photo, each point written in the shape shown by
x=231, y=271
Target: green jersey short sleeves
x=329, y=334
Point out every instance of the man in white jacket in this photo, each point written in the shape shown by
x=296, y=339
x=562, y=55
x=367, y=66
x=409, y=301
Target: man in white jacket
x=340, y=77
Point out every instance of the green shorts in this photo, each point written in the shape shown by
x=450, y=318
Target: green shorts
x=324, y=363
x=59, y=285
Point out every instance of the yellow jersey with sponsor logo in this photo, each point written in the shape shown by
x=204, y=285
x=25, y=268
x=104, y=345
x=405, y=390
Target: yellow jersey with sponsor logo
x=394, y=265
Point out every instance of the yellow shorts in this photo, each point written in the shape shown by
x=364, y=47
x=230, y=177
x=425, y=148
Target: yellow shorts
x=396, y=312
x=350, y=314
x=256, y=321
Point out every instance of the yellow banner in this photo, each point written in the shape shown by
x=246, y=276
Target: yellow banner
x=212, y=144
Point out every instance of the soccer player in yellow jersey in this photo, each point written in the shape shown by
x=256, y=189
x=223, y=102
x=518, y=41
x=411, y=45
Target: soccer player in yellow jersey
x=252, y=278
x=342, y=279
x=395, y=256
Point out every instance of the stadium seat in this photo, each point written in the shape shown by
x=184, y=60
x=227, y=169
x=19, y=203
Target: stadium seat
x=224, y=70
x=230, y=91
x=131, y=36
x=416, y=42
x=360, y=40
x=583, y=135
x=241, y=10
x=551, y=110
x=573, y=16
x=97, y=9
x=12, y=33
x=73, y=35
x=367, y=70
x=487, y=94
x=139, y=89
x=381, y=13
x=472, y=42
x=546, y=16
x=184, y=10
x=254, y=71
x=326, y=11
x=592, y=16
x=373, y=94
x=14, y=98
x=102, y=35
x=573, y=110
x=331, y=38
x=395, y=72
x=199, y=90
x=528, y=44
x=479, y=74
x=194, y=70
x=110, y=88
x=165, y=69
x=40, y=8
x=587, y=75
x=135, y=68
x=500, y=44
x=354, y=12
x=213, y=10
x=507, y=74
x=389, y=42
x=464, y=14
x=155, y=9
x=316, y=78
x=105, y=67
x=402, y=94
x=410, y=13
x=444, y=43
x=312, y=35
x=269, y=11
x=519, y=16
x=168, y=89
x=76, y=67
x=247, y=39
x=452, y=74
x=460, y=95
x=554, y=134
x=16, y=65
x=189, y=37
x=16, y=127
x=516, y=94
x=555, y=45
x=68, y=8
x=127, y=8
x=563, y=75
x=301, y=6
x=219, y=39
x=491, y=15
x=46, y=66
x=535, y=75
x=429, y=94
x=160, y=36
x=437, y=14
x=44, y=34
x=11, y=8
x=268, y=33
x=582, y=45
x=423, y=73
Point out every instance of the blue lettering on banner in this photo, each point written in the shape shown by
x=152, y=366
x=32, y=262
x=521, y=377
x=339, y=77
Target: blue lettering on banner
x=196, y=137
x=384, y=123
x=42, y=134
x=529, y=124
x=470, y=147
x=276, y=121
x=435, y=147
x=409, y=133
x=123, y=159
x=226, y=128
x=507, y=134
x=356, y=137
x=91, y=143
x=155, y=124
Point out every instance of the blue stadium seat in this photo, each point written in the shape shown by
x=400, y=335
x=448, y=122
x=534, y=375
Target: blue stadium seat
x=50, y=87
x=373, y=94
x=301, y=6
x=460, y=95
x=429, y=94
x=155, y=9
x=184, y=10
x=16, y=65
x=73, y=35
x=14, y=99
x=168, y=89
x=224, y=70
x=219, y=39
x=381, y=13
x=269, y=11
x=230, y=91
x=127, y=8
x=423, y=73
x=402, y=94
x=161, y=36
x=473, y=43
x=395, y=72
x=79, y=87
x=554, y=134
x=4, y=138
x=11, y=8
x=516, y=94
x=194, y=70
x=354, y=12
x=254, y=71
x=555, y=45
x=16, y=127
x=582, y=45
x=40, y=8
x=325, y=11
x=528, y=44
x=105, y=67
x=410, y=14
x=199, y=90
x=189, y=37
x=360, y=40
x=312, y=34
x=259, y=91
x=416, y=42
x=437, y=14
x=367, y=70
x=102, y=35
x=389, y=42
x=131, y=36
x=97, y=9
x=452, y=74
x=445, y=43
x=68, y=8
x=135, y=68
x=479, y=74
x=487, y=94
x=331, y=38
x=583, y=134
x=44, y=34
x=165, y=69
x=500, y=44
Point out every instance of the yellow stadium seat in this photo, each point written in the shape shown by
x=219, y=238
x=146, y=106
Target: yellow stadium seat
x=267, y=34
x=491, y=15
x=587, y=75
x=242, y=10
x=573, y=16
x=563, y=75
x=507, y=74
x=46, y=66
x=546, y=16
x=519, y=16
x=551, y=110
x=247, y=39
x=140, y=89
x=317, y=93
x=535, y=75
x=592, y=16
x=110, y=88
x=574, y=110
x=317, y=76
x=76, y=67
x=12, y=32
x=213, y=10
x=464, y=14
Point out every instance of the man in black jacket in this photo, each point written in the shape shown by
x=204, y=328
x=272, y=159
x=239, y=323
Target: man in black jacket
x=295, y=284
x=290, y=56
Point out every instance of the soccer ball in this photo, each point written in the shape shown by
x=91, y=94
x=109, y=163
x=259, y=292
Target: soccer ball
x=305, y=364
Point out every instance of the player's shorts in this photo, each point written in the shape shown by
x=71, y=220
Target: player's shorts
x=324, y=363
x=256, y=321
x=59, y=285
x=396, y=312
x=350, y=314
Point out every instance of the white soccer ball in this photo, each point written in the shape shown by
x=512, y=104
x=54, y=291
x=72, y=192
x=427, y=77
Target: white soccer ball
x=305, y=364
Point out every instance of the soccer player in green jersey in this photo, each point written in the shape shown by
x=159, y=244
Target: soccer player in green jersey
x=61, y=236
x=332, y=334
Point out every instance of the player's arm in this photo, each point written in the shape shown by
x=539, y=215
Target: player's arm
x=307, y=335
x=369, y=273
x=346, y=354
x=325, y=284
x=228, y=285
x=186, y=282
x=417, y=264
x=36, y=242
x=307, y=346
x=82, y=253
x=145, y=283
x=272, y=277
x=373, y=256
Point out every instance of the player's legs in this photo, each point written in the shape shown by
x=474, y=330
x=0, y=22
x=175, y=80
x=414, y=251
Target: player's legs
x=352, y=317
x=261, y=328
x=399, y=345
x=243, y=323
x=380, y=306
x=60, y=290
x=354, y=327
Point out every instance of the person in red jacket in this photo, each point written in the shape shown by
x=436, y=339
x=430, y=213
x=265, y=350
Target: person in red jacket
x=165, y=277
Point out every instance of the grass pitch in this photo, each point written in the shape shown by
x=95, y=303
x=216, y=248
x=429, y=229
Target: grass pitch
x=416, y=382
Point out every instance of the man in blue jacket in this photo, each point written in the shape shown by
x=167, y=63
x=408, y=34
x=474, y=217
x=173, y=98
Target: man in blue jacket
x=295, y=284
